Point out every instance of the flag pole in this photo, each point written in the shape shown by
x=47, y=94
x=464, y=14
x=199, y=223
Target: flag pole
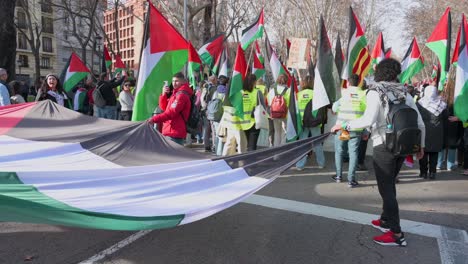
x=186, y=35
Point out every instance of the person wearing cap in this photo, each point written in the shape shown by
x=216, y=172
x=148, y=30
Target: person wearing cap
x=4, y=95
x=51, y=89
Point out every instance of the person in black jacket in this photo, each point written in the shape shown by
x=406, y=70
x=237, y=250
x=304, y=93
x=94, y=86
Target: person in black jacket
x=108, y=91
x=434, y=113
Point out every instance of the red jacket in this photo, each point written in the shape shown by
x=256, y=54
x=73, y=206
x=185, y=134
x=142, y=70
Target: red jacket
x=176, y=112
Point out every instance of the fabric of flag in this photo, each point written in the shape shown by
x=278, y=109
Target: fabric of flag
x=440, y=43
x=326, y=82
x=277, y=68
x=257, y=67
x=237, y=82
x=358, y=58
x=164, y=54
x=107, y=61
x=412, y=62
x=294, y=120
x=461, y=81
x=378, y=53
x=60, y=167
x=212, y=49
x=221, y=66
x=288, y=47
x=119, y=65
x=194, y=64
x=339, y=56
x=253, y=32
x=388, y=53
x=259, y=54
x=75, y=71
x=435, y=76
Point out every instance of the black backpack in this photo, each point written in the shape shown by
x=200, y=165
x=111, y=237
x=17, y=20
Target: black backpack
x=309, y=120
x=194, y=119
x=402, y=135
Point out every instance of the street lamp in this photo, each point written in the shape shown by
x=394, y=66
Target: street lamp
x=99, y=42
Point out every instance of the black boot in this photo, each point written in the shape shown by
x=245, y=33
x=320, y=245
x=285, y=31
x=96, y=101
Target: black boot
x=432, y=175
x=423, y=175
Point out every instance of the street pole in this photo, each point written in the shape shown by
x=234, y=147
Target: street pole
x=186, y=34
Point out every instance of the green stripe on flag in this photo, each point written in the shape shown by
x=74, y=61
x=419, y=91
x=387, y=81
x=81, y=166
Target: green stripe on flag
x=411, y=71
x=74, y=79
x=440, y=49
x=24, y=203
x=460, y=106
x=148, y=97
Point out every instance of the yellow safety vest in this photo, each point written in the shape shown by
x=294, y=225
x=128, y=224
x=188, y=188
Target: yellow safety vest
x=233, y=121
x=352, y=105
x=261, y=87
x=303, y=98
x=465, y=125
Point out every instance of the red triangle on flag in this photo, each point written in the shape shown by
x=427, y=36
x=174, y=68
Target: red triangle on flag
x=76, y=65
x=119, y=64
x=359, y=31
x=240, y=64
x=163, y=35
x=193, y=54
x=107, y=56
x=440, y=32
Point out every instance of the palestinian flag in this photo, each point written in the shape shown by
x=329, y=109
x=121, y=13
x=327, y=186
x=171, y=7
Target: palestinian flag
x=258, y=52
x=461, y=81
x=221, y=66
x=107, y=62
x=358, y=60
x=388, y=53
x=119, y=65
x=60, y=167
x=339, y=56
x=277, y=68
x=310, y=67
x=294, y=120
x=73, y=73
x=164, y=53
x=194, y=64
x=253, y=32
x=257, y=67
x=288, y=47
x=212, y=49
x=412, y=63
x=378, y=53
x=237, y=82
x=440, y=43
x=326, y=80
x=435, y=76
x=79, y=99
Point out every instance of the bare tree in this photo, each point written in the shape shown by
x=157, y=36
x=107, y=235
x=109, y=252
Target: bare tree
x=7, y=37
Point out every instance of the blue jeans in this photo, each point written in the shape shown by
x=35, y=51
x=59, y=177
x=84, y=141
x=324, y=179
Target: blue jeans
x=179, y=141
x=353, y=150
x=318, y=150
x=451, y=154
x=107, y=112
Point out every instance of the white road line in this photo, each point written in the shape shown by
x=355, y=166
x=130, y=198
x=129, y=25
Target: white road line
x=111, y=250
x=452, y=242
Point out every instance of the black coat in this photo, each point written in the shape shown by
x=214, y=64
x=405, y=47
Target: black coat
x=436, y=134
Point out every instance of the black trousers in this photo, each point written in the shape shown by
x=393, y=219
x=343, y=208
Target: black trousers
x=126, y=115
x=362, y=151
x=252, y=138
x=431, y=159
x=206, y=133
x=387, y=167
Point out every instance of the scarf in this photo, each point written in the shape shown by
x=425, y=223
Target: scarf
x=60, y=98
x=432, y=102
x=389, y=91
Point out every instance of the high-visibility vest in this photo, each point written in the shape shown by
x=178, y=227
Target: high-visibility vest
x=261, y=87
x=303, y=98
x=233, y=121
x=465, y=125
x=352, y=105
x=249, y=100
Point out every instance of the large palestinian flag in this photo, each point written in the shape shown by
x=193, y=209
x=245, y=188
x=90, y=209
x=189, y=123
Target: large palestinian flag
x=194, y=64
x=63, y=168
x=461, y=82
x=257, y=66
x=326, y=82
x=358, y=58
x=164, y=54
x=73, y=73
x=237, y=82
x=439, y=42
x=412, y=63
x=378, y=53
x=253, y=32
x=277, y=68
x=212, y=49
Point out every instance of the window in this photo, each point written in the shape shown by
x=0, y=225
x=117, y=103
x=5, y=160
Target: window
x=47, y=25
x=21, y=16
x=46, y=6
x=47, y=44
x=23, y=61
x=22, y=41
x=45, y=63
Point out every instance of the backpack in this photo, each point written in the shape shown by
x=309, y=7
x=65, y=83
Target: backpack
x=194, y=118
x=278, y=107
x=214, y=110
x=99, y=100
x=309, y=120
x=207, y=95
x=402, y=135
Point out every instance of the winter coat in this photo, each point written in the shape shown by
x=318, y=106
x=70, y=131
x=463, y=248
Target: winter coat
x=435, y=129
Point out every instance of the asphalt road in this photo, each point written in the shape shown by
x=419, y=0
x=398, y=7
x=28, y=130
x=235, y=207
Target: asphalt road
x=296, y=219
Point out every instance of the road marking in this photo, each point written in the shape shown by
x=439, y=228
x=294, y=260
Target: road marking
x=453, y=243
x=111, y=250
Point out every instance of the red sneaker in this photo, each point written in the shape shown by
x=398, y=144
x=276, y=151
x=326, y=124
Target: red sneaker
x=390, y=239
x=381, y=226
